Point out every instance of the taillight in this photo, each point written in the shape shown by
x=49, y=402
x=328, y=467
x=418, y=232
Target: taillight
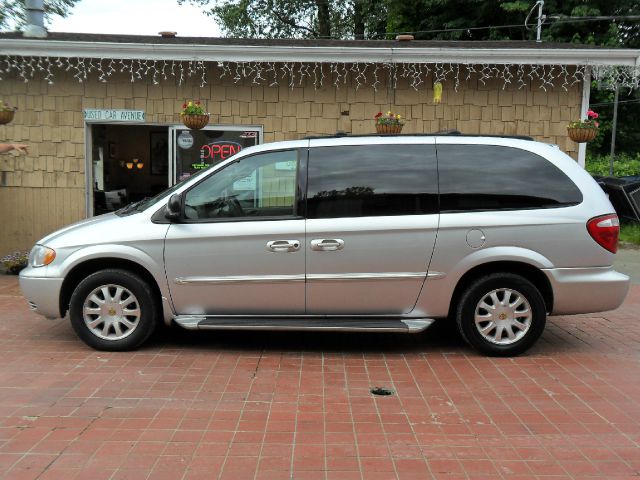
x=605, y=230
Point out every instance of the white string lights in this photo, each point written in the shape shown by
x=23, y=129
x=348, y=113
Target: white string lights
x=292, y=74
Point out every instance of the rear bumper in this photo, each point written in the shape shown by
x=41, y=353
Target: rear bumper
x=42, y=294
x=586, y=290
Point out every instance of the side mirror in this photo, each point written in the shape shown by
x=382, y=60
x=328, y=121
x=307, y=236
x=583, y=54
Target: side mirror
x=174, y=207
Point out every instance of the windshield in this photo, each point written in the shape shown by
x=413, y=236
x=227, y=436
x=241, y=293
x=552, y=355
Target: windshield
x=145, y=203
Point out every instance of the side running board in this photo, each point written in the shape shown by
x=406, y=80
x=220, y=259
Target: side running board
x=202, y=322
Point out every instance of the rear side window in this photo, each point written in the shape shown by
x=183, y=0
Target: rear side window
x=372, y=180
x=487, y=177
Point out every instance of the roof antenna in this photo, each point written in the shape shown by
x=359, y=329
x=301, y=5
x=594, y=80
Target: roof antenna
x=541, y=19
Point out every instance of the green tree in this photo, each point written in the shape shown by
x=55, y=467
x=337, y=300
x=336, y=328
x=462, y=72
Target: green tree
x=471, y=19
x=298, y=18
x=13, y=13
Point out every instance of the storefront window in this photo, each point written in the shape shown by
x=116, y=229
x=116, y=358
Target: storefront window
x=199, y=149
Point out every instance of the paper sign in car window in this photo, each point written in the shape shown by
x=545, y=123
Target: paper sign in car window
x=246, y=183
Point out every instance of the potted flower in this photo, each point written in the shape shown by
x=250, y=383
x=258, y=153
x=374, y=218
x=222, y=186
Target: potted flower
x=193, y=115
x=388, y=123
x=14, y=262
x=6, y=113
x=584, y=130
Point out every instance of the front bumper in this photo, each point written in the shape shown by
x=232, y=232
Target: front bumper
x=586, y=290
x=42, y=293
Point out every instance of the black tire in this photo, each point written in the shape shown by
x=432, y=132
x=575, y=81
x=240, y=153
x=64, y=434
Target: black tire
x=136, y=292
x=500, y=284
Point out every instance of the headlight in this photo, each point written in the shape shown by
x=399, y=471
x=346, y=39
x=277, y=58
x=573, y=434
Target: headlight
x=41, y=256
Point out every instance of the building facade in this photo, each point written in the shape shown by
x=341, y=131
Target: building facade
x=101, y=113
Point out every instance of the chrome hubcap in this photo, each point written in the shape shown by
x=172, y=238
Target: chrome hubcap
x=111, y=312
x=503, y=316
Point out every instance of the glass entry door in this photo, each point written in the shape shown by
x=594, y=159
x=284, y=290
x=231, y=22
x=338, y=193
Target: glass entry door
x=195, y=150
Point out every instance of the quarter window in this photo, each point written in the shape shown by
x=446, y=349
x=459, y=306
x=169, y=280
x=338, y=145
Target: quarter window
x=262, y=185
x=373, y=180
x=487, y=177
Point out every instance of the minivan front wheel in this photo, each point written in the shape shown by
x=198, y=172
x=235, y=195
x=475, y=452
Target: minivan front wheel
x=113, y=310
x=501, y=314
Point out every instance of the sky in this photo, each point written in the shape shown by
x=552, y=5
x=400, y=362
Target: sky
x=136, y=17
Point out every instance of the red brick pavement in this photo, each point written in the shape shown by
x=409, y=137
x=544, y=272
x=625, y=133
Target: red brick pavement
x=279, y=406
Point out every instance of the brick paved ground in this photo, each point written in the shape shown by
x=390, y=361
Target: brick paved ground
x=279, y=406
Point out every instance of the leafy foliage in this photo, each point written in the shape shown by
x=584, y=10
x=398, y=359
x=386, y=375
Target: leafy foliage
x=426, y=19
x=5, y=107
x=590, y=122
x=388, y=118
x=630, y=233
x=192, y=107
x=14, y=262
x=467, y=19
x=623, y=165
x=627, y=129
x=13, y=13
x=298, y=18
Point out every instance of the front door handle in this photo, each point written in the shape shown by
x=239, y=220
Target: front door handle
x=327, y=244
x=283, y=246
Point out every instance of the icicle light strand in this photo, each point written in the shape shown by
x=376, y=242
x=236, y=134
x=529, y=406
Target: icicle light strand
x=292, y=74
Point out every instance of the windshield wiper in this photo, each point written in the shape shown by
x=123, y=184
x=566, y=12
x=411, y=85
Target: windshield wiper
x=132, y=206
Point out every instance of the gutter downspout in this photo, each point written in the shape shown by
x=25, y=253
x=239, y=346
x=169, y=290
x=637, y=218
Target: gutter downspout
x=35, y=20
x=586, y=92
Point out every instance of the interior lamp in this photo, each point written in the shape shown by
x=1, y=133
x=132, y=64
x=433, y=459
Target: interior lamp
x=134, y=163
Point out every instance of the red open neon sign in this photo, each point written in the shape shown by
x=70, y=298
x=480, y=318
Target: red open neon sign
x=219, y=151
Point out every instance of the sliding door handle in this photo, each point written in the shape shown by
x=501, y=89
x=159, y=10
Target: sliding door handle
x=327, y=244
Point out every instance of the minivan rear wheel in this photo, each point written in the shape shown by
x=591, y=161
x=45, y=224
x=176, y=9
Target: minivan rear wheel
x=113, y=310
x=501, y=314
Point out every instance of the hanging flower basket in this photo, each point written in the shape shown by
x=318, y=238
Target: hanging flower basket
x=6, y=116
x=389, y=123
x=582, y=135
x=389, y=129
x=582, y=131
x=193, y=115
x=195, y=122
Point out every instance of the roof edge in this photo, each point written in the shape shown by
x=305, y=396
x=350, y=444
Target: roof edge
x=318, y=54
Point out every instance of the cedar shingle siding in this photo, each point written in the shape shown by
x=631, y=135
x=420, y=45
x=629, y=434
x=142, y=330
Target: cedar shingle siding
x=45, y=190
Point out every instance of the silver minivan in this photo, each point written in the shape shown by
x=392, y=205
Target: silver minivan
x=357, y=233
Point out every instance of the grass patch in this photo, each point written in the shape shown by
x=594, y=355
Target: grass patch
x=630, y=233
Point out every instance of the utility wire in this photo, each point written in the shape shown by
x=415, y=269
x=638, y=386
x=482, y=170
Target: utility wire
x=467, y=29
x=611, y=103
x=556, y=20
x=547, y=23
x=563, y=19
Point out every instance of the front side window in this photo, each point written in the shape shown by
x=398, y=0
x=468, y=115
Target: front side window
x=372, y=180
x=262, y=185
x=489, y=177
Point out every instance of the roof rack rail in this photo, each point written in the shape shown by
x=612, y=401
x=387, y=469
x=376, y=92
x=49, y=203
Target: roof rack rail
x=440, y=133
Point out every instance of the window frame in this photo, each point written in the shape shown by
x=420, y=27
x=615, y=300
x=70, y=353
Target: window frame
x=296, y=203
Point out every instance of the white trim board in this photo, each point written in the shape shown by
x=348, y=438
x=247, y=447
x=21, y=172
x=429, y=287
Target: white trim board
x=251, y=53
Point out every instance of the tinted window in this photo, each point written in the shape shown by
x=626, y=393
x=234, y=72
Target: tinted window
x=372, y=180
x=485, y=177
x=262, y=185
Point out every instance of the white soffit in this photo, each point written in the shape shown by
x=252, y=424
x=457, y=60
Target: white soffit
x=325, y=54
